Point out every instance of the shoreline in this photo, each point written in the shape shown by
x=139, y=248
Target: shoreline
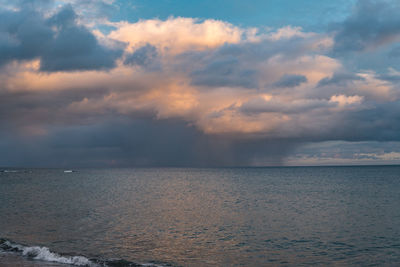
x=10, y=259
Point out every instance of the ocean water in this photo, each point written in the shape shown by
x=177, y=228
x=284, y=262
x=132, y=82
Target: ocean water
x=295, y=216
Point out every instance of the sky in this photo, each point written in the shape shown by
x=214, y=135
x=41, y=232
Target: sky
x=111, y=83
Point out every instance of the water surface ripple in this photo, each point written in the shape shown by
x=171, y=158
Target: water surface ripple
x=299, y=216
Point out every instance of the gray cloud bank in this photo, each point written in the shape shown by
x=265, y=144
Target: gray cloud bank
x=372, y=24
x=140, y=142
x=58, y=41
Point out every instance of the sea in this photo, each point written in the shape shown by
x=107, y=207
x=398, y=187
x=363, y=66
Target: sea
x=274, y=216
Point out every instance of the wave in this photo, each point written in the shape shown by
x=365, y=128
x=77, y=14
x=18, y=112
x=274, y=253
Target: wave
x=44, y=254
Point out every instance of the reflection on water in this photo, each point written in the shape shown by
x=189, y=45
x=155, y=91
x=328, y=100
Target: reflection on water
x=209, y=217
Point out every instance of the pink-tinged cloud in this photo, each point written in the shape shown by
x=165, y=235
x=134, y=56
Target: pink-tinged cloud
x=177, y=35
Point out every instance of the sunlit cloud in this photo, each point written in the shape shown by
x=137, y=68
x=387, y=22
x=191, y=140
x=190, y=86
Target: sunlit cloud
x=177, y=35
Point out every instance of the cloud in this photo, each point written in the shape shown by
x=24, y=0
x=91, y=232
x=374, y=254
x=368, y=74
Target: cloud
x=94, y=10
x=139, y=142
x=58, y=41
x=146, y=57
x=345, y=153
x=226, y=90
x=371, y=25
x=382, y=156
x=343, y=100
x=272, y=105
x=392, y=75
x=177, y=35
x=180, y=91
x=340, y=79
x=224, y=72
x=291, y=80
x=369, y=84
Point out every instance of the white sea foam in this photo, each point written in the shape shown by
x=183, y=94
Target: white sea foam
x=44, y=254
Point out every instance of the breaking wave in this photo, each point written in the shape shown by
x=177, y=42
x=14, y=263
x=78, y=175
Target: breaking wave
x=44, y=254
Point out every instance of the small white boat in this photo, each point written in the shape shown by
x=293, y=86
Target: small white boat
x=68, y=171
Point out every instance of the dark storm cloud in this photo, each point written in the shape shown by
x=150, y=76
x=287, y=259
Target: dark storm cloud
x=225, y=72
x=392, y=76
x=238, y=65
x=378, y=122
x=381, y=123
x=340, y=79
x=26, y=109
x=64, y=18
x=121, y=141
x=125, y=142
x=24, y=35
x=60, y=43
x=260, y=105
x=288, y=48
x=146, y=57
x=373, y=23
x=290, y=80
